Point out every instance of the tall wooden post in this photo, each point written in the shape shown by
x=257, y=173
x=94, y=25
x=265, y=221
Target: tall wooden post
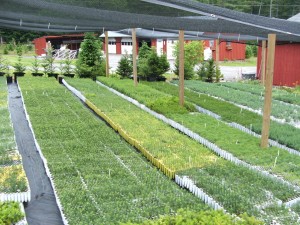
x=133, y=34
x=263, y=61
x=107, y=53
x=181, y=67
x=217, y=52
x=268, y=90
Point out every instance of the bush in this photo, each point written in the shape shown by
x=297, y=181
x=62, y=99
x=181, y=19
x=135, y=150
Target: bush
x=125, y=67
x=209, y=217
x=10, y=213
x=167, y=105
x=188, y=70
x=209, y=72
x=249, y=52
x=90, y=62
x=193, y=55
x=150, y=64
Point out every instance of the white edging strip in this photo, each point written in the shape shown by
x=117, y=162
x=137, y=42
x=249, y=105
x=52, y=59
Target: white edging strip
x=65, y=221
x=189, y=184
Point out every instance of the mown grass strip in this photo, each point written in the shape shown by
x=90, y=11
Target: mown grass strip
x=99, y=178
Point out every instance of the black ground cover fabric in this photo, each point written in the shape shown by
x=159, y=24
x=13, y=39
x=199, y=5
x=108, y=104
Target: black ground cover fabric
x=42, y=209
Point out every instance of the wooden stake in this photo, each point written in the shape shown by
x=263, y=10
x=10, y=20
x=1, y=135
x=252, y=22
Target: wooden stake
x=263, y=62
x=107, y=53
x=133, y=33
x=181, y=67
x=268, y=90
x=217, y=52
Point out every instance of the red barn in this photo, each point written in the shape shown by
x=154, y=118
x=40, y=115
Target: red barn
x=287, y=64
x=228, y=50
x=72, y=40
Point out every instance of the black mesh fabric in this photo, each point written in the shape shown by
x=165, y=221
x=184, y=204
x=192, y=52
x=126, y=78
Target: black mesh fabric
x=69, y=16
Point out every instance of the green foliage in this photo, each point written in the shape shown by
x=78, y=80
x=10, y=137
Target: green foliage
x=193, y=55
x=35, y=65
x=150, y=64
x=219, y=75
x=19, y=50
x=19, y=67
x=3, y=64
x=5, y=50
x=188, y=217
x=280, y=9
x=144, y=51
x=125, y=67
x=166, y=105
x=208, y=71
x=188, y=70
x=201, y=72
x=90, y=60
x=48, y=62
x=249, y=52
x=10, y=213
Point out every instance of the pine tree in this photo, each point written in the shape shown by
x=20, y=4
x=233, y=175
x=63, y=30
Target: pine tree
x=90, y=61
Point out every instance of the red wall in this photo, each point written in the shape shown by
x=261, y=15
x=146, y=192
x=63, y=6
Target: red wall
x=40, y=45
x=235, y=51
x=287, y=65
x=118, y=45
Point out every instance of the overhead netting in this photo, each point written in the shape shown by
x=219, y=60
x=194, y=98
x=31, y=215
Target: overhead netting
x=99, y=15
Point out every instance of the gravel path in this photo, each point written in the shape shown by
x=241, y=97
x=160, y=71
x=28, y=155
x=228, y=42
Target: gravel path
x=42, y=209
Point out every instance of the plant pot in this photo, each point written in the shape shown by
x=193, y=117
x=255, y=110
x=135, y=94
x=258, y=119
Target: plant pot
x=151, y=78
x=69, y=75
x=2, y=74
x=37, y=74
x=161, y=78
x=19, y=74
x=9, y=80
x=52, y=75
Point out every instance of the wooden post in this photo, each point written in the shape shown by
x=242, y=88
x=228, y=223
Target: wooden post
x=217, y=52
x=133, y=33
x=106, y=52
x=268, y=90
x=263, y=62
x=181, y=67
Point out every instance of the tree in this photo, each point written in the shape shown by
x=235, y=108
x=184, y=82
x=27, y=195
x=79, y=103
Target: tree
x=90, y=61
x=125, y=67
x=193, y=55
x=151, y=65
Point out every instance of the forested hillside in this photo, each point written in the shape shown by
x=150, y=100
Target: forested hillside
x=270, y=8
x=276, y=8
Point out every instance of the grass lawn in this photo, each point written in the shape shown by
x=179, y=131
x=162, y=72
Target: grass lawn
x=247, y=62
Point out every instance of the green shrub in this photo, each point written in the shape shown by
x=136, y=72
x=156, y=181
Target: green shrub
x=150, y=64
x=90, y=62
x=125, y=67
x=193, y=54
x=10, y=213
x=167, y=105
x=185, y=216
x=188, y=70
x=249, y=52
